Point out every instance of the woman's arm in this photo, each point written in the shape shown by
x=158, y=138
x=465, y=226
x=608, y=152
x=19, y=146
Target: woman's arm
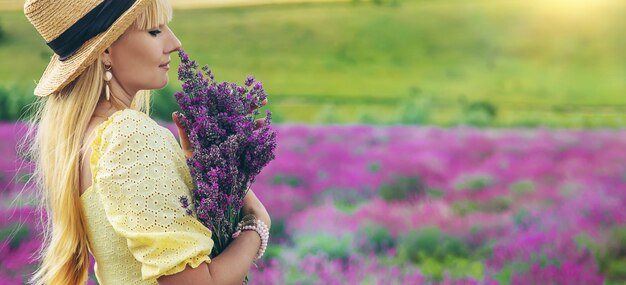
x=232, y=265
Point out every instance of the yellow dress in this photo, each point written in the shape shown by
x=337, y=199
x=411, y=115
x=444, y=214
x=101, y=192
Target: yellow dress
x=136, y=225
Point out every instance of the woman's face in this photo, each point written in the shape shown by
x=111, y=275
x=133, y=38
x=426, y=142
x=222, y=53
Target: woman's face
x=140, y=58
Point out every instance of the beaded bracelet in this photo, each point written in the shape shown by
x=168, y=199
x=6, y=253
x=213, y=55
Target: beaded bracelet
x=249, y=222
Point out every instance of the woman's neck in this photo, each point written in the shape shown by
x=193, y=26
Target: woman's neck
x=106, y=108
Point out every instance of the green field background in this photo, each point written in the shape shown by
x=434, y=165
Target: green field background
x=485, y=63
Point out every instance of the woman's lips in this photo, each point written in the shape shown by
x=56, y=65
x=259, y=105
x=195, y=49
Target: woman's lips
x=165, y=66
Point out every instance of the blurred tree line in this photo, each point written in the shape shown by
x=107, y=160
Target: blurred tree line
x=417, y=109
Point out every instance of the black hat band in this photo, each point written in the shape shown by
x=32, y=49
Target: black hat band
x=96, y=21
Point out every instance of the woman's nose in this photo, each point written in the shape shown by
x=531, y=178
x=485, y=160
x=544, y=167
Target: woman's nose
x=177, y=43
x=174, y=42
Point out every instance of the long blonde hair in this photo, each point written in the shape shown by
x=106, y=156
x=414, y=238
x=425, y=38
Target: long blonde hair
x=54, y=141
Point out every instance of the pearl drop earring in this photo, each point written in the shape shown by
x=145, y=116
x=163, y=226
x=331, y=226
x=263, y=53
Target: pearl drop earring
x=107, y=77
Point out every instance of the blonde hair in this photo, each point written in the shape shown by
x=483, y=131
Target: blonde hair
x=54, y=140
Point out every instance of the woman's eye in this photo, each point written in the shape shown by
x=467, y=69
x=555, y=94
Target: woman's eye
x=155, y=32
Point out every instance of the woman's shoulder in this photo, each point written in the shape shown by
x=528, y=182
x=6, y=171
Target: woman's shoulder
x=131, y=138
x=131, y=128
x=127, y=122
x=129, y=118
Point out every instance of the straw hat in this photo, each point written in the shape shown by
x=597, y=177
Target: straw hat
x=52, y=18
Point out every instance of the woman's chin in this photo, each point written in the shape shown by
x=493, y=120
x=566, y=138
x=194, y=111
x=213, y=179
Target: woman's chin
x=162, y=83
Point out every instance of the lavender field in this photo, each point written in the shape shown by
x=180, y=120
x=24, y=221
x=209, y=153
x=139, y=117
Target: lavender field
x=360, y=204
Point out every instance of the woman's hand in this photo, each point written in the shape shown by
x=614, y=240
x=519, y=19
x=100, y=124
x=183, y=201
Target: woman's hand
x=184, y=139
x=252, y=205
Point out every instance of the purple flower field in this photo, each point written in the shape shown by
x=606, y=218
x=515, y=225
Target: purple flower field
x=413, y=205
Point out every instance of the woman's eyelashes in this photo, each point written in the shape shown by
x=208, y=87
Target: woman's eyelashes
x=154, y=32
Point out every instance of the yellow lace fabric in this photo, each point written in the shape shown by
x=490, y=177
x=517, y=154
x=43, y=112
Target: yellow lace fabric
x=137, y=228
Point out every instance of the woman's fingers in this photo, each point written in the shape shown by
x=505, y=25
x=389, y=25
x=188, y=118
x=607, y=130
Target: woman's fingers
x=258, y=123
x=252, y=107
x=182, y=134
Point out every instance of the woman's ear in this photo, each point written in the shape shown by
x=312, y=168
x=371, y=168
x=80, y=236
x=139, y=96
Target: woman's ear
x=105, y=57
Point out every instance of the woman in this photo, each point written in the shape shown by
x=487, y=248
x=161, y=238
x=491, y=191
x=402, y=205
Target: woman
x=111, y=179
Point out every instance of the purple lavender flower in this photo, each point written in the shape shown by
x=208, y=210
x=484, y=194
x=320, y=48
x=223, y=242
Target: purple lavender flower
x=249, y=80
x=228, y=153
x=184, y=202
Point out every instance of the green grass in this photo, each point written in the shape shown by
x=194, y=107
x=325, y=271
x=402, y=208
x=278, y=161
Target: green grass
x=350, y=62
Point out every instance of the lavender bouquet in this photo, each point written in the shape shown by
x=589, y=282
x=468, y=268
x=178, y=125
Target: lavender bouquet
x=227, y=151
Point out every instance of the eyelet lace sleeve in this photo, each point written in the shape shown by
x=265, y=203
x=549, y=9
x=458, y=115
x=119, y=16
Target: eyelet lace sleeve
x=140, y=175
